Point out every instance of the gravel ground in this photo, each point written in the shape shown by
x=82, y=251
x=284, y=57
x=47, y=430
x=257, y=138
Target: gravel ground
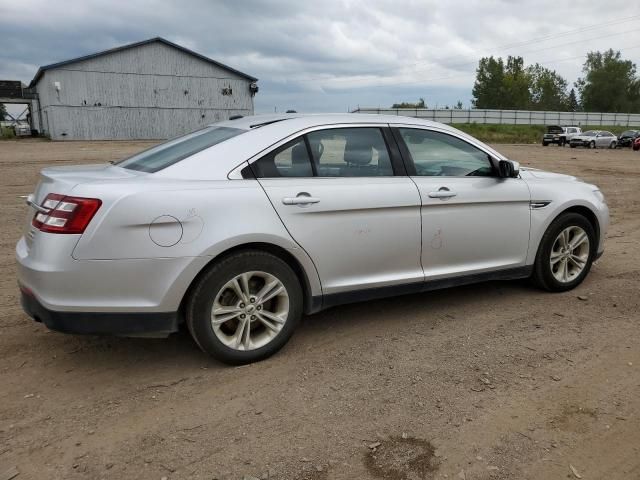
x=491, y=381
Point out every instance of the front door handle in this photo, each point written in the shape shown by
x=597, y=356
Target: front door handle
x=301, y=199
x=443, y=192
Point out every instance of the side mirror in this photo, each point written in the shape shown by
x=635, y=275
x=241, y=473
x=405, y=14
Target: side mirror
x=508, y=169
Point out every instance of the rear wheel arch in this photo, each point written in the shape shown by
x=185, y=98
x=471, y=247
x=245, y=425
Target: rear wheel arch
x=309, y=305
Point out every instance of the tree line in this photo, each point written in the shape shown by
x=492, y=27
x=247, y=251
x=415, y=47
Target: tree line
x=609, y=84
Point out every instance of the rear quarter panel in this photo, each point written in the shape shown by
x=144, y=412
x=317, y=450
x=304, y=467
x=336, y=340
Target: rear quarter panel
x=199, y=219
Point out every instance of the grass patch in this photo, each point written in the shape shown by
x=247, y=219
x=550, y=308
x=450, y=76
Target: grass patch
x=7, y=133
x=520, y=133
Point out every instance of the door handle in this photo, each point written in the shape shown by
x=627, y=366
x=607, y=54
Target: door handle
x=300, y=200
x=443, y=192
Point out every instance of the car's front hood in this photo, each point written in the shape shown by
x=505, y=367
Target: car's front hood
x=535, y=173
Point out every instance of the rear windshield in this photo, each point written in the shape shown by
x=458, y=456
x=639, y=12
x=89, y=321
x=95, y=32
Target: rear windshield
x=168, y=153
x=555, y=129
x=590, y=133
x=629, y=133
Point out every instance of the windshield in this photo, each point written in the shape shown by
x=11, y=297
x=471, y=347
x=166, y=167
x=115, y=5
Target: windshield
x=168, y=153
x=590, y=133
x=628, y=133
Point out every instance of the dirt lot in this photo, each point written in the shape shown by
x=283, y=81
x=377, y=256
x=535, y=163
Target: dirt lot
x=492, y=381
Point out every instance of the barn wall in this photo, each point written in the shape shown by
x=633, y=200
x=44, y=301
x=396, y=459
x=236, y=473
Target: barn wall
x=103, y=123
x=149, y=92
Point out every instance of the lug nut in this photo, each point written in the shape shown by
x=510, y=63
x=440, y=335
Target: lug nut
x=242, y=305
x=259, y=307
x=253, y=317
x=252, y=300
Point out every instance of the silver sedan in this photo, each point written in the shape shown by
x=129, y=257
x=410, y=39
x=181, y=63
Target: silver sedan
x=240, y=228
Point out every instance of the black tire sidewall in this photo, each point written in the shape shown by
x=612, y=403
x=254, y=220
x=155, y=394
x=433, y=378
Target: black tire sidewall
x=542, y=269
x=201, y=300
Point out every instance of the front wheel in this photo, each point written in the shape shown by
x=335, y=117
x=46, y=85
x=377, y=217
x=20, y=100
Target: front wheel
x=245, y=307
x=613, y=145
x=592, y=144
x=565, y=253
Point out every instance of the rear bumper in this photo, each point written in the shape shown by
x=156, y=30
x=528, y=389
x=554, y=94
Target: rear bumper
x=100, y=323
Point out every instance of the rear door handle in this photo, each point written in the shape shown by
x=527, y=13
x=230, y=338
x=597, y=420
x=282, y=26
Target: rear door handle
x=300, y=200
x=442, y=193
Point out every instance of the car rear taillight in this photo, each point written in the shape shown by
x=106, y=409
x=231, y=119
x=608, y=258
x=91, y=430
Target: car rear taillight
x=62, y=214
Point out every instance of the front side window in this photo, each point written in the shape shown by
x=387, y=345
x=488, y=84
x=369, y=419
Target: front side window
x=350, y=152
x=166, y=154
x=439, y=154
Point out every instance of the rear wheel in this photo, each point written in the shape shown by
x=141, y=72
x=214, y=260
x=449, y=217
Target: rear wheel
x=544, y=144
x=245, y=307
x=565, y=254
x=592, y=144
x=612, y=144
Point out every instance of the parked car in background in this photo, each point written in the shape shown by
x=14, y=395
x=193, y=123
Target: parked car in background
x=627, y=137
x=22, y=129
x=636, y=144
x=594, y=139
x=240, y=228
x=559, y=135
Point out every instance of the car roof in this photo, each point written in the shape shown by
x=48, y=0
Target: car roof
x=306, y=120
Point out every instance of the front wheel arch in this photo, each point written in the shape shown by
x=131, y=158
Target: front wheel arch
x=581, y=210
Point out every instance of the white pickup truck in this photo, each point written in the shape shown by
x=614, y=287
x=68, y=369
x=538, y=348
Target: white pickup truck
x=560, y=135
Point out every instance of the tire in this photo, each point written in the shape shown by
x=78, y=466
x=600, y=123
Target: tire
x=592, y=144
x=544, y=144
x=543, y=272
x=221, y=340
x=572, y=146
x=613, y=145
x=562, y=142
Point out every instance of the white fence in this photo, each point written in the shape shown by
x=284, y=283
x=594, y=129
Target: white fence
x=511, y=117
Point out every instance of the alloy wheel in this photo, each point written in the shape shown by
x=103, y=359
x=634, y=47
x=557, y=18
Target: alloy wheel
x=250, y=310
x=569, y=254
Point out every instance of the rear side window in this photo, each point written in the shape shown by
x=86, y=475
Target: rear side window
x=291, y=160
x=335, y=152
x=168, y=153
x=350, y=152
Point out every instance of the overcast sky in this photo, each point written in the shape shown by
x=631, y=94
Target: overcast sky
x=329, y=55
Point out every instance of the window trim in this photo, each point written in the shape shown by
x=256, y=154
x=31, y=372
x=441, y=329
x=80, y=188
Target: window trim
x=410, y=164
x=395, y=157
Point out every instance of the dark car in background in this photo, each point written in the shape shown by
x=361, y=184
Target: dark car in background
x=627, y=138
x=559, y=135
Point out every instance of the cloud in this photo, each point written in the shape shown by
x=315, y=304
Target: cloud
x=327, y=55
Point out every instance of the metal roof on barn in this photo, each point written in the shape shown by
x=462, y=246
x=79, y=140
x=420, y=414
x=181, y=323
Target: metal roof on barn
x=164, y=41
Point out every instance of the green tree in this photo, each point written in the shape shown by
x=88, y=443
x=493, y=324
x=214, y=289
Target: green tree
x=572, y=101
x=609, y=83
x=488, y=88
x=517, y=84
x=458, y=106
x=548, y=89
x=3, y=111
x=419, y=104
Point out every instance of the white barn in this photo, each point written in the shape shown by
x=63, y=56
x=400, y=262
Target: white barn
x=152, y=89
